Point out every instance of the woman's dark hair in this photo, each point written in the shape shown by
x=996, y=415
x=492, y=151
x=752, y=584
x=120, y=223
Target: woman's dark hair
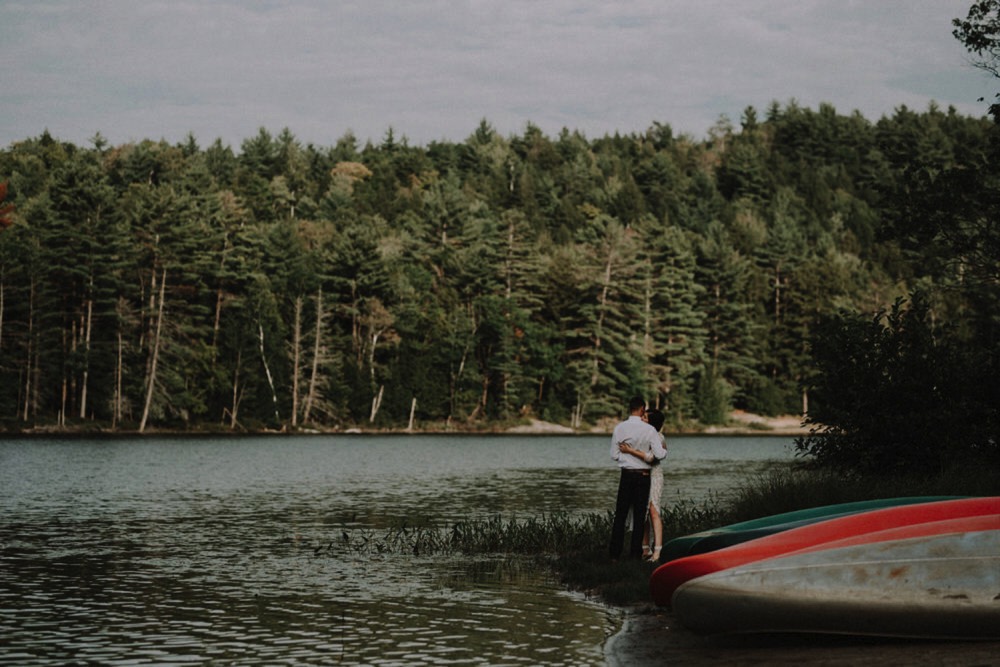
x=655, y=418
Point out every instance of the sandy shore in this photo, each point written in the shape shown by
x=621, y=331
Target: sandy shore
x=740, y=423
x=747, y=422
x=652, y=636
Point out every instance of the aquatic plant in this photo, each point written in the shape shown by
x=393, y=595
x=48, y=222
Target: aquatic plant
x=547, y=534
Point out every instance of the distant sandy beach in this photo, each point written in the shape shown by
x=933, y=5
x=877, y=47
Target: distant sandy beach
x=740, y=423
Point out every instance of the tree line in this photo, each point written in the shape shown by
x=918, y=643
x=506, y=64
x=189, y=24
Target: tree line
x=386, y=285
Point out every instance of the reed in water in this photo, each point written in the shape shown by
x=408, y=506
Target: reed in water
x=576, y=546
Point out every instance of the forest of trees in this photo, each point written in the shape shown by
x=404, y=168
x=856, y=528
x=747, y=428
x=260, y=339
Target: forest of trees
x=290, y=286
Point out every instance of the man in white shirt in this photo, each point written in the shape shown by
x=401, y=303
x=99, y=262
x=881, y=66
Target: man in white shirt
x=633, y=485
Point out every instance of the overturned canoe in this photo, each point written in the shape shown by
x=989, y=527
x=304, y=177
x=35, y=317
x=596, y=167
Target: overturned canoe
x=944, y=586
x=669, y=576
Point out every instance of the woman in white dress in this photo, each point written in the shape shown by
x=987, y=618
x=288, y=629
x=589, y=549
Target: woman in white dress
x=655, y=419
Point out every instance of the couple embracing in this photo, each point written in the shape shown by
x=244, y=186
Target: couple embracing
x=637, y=446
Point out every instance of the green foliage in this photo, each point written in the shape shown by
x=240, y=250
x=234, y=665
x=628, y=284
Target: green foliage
x=790, y=489
x=980, y=34
x=898, y=393
x=712, y=397
x=479, y=282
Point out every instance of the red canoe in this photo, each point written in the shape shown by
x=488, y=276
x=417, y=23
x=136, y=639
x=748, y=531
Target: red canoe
x=858, y=528
x=965, y=524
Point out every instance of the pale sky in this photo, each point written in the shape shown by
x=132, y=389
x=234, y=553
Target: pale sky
x=433, y=69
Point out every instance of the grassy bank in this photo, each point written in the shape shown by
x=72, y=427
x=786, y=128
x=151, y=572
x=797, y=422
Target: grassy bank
x=783, y=491
x=576, y=547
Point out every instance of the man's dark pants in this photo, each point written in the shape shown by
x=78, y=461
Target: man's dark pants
x=633, y=493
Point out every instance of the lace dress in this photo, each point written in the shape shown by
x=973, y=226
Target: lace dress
x=655, y=479
x=655, y=484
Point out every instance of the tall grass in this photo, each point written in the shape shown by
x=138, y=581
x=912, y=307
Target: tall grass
x=577, y=546
x=548, y=535
x=534, y=536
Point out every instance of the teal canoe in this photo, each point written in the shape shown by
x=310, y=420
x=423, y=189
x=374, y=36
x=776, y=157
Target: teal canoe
x=737, y=533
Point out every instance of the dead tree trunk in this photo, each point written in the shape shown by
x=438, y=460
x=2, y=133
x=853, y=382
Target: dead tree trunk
x=317, y=349
x=267, y=371
x=88, y=326
x=151, y=380
x=296, y=354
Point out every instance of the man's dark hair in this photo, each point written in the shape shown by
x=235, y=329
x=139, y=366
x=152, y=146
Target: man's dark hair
x=635, y=403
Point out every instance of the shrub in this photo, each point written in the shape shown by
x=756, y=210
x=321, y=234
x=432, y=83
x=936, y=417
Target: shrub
x=899, y=394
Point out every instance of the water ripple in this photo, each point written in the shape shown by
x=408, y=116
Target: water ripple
x=194, y=551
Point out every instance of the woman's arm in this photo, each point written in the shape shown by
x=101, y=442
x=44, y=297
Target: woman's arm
x=629, y=449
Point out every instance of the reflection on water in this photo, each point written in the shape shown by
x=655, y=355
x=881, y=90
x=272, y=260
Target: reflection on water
x=192, y=550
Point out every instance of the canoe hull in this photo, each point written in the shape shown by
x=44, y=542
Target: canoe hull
x=940, y=587
x=861, y=527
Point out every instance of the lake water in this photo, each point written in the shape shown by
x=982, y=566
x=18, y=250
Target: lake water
x=231, y=550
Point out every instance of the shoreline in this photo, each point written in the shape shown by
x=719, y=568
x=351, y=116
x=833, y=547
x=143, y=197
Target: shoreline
x=740, y=423
x=651, y=635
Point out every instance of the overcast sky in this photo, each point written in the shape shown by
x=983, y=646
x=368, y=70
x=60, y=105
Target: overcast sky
x=431, y=70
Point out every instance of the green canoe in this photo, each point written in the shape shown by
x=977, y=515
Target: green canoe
x=737, y=533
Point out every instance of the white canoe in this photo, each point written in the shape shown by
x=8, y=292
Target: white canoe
x=941, y=586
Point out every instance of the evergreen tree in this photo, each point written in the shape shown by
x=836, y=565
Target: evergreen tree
x=163, y=285
x=732, y=341
x=675, y=334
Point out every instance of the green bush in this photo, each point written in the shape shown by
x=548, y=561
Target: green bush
x=901, y=394
x=713, y=398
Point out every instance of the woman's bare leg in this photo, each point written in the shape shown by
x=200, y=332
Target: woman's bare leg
x=657, y=524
